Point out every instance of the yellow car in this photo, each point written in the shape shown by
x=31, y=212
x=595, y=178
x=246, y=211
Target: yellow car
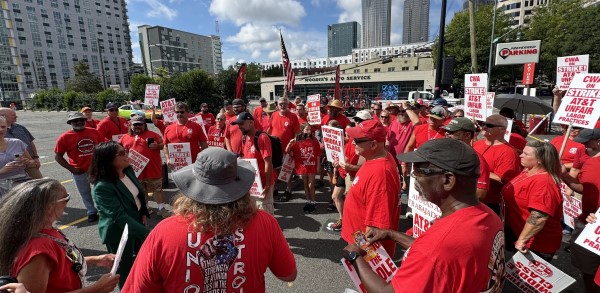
x=125, y=111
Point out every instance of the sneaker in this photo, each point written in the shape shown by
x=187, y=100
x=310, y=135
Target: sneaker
x=331, y=207
x=285, y=197
x=312, y=207
x=306, y=207
x=92, y=218
x=164, y=213
x=337, y=226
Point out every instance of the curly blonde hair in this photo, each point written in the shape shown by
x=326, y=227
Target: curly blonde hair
x=221, y=219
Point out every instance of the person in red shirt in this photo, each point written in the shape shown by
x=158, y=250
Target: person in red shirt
x=334, y=112
x=533, y=202
x=184, y=131
x=148, y=144
x=386, y=119
x=444, y=259
x=207, y=117
x=519, y=128
x=79, y=144
x=306, y=150
x=568, y=156
x=373, y=199
x=216, y=133
x=233, y=135
x=113, y=126
x=463, y=129
x=228, y=108
x=262, y=153
x=284, y=125
x=393, y=110
x=376, y=109
x=159, y=123
x=262, y=116
x=500, y=156
x=90, y=122
x=217, y=241
x=432, y=130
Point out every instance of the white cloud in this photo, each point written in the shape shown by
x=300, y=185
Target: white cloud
x=159, y=10
x=351, y=10
x=231, y=61
x=397, y=17
x=269, y=12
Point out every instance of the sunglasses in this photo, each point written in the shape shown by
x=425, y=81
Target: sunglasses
x=375, y=109
x=384, y=117
x=122, y=153
x=113, y=110
x=78, y=121
x=180, y=112
x=490, y=125
x=453, y=132
x=359, y=141
x=138, y=125
x=424, y=172
x=65, y=199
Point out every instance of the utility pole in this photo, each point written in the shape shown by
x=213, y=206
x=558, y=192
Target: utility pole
x=472, y=31
x=489, y=86
x=102, y=65
x=440, y=57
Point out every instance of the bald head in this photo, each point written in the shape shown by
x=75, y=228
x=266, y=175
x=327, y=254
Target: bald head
x=497, y=119
x=11, y=116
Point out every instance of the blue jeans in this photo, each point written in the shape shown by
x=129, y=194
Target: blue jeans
x=85, y=190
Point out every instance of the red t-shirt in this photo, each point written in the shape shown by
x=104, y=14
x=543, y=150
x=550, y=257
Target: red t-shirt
x=590, y=200
x=208, y=118
x=398, y=135
x=160, y=124
x=139, y=143
x=483, y=182
x=174, y=259
x=61, y=278
x=463, y=252
x=229, y=116
x=340, y=118
x=92, y=123
x=262, y=117
x=306, y=154
x=373, y=200
x=234, y=134
x=580, y=158
x=570, y=150
x=351, y=157
x=285, y=127
x=216, y=137
x=109, y=128
x=79, y=146
x=190, y=132
x=265, y=150
x=535, y=192
x=503, y=161
x=517, y=141
x=424, y=134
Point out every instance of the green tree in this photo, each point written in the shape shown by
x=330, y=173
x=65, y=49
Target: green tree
x=274, y=71
x=226, y=82
x=84, y=81
x=69, y=99
x=137, y=87
x=565, y=28
x=194, y=87
x=457, y=41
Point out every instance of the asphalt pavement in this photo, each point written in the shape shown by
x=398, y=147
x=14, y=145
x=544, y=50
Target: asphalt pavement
x=317, y=250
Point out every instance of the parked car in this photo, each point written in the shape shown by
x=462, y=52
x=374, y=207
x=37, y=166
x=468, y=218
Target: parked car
x=125, y=111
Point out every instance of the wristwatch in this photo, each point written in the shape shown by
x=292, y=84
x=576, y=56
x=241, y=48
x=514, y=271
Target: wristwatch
x=351, y=256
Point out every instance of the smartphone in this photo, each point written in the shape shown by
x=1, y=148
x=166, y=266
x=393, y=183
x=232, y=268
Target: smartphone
x=150, y=141
x=18, y=156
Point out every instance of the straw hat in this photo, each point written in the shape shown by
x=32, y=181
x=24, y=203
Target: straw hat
x=336, y=104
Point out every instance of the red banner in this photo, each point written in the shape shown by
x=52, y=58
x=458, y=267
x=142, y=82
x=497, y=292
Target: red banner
x=241, y=79
x=337, y=83
x=528, y=73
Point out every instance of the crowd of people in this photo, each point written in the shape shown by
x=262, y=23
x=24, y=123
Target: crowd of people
x=494, y=195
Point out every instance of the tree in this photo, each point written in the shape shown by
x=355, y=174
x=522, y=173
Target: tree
x=275, y=71
x=84, y=81
x=457, y=41
x=194, y=87
x=137, y=87
x=226, y=82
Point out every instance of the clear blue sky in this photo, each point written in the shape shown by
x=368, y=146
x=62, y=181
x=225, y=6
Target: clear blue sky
x=249, y=28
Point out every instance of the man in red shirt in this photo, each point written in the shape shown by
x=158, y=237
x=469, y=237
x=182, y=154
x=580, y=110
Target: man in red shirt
x=334, y=112
x=184, y=131
x=432, y=130
x=228, y=107
x=373, y=199
x=79, y=144
x=207, y=117
x=463, y=129
x=91, y=122
x=444, y=259
x=500, y=156
x=262, y=153
x=261, y=114
x=571, y=148
x=113, y=126
x=285, y=126
x=148, y=144
x=233, y=135
x=399, y=133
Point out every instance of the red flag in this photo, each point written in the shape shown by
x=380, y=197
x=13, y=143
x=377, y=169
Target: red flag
x=337, y=83
x=241, y=79
x=287, y=67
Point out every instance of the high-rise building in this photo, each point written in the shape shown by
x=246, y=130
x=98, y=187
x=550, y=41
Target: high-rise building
x=477, y=4
x=415, y=27
x=179, y=51
x=376, y=23
x=342, y=38
x=519, y=10
x=44, y=39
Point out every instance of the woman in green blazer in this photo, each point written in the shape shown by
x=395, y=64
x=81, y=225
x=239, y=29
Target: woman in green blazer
x=120, y=200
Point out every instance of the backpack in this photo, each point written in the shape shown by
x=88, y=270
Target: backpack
x=276, y=148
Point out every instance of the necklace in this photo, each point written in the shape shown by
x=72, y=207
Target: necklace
x=525, y=177
x=72, y=253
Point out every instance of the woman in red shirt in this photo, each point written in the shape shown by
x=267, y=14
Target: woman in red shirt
x=533, y=202
x=306, y=150
x=34, y=251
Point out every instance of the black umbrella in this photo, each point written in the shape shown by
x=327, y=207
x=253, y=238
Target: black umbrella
x=522, y=104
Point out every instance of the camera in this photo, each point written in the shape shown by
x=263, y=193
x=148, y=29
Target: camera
x=7, y=280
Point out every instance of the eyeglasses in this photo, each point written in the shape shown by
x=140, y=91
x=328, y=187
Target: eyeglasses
x=113, y=110
x=384, y=117
x=424, y=172
x=490, y=125
x=180, y=112
x=453, y=132
x=375, y=109
x=122, y=153
x=79, y=121
x=138, y=125
x=359, y=141
x=65, y=199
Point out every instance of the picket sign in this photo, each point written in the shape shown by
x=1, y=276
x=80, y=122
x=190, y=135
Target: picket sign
x=313, y=107
x=571, y=207
x=567, y=67
x=489, y=100
x=180, y=155
x=137, y=161
x=475, y=96
x=578, y=106
x=257, y=188
x=333, y=140
x=590, y=236
x=286, y=168
x=530, y=273
x=198, y=120
x=151, y=94
x=508, y=131
x=424, y=212
x=168, y=110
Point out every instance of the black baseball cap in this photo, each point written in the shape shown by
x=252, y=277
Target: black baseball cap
x=238, y=102
x=244, y=116
x=448, y=154
x=587, y=135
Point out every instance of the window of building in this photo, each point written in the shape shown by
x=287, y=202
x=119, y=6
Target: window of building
x=391, y=69
x=405, y=68
x=366, y=70
x=356, y=71
x=377, y=70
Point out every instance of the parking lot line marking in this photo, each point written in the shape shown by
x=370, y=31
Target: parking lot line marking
x=42, y=164
x=72, y=223
x=66, y=181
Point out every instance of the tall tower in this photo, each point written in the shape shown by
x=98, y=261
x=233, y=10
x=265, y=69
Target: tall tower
x=415, y=27
x=376, y=23
x=342, y=38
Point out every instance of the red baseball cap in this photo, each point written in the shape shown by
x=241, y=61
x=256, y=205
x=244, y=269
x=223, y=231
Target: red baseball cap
x=372, y=129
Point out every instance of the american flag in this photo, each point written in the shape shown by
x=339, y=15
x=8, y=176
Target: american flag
x=287, y=67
